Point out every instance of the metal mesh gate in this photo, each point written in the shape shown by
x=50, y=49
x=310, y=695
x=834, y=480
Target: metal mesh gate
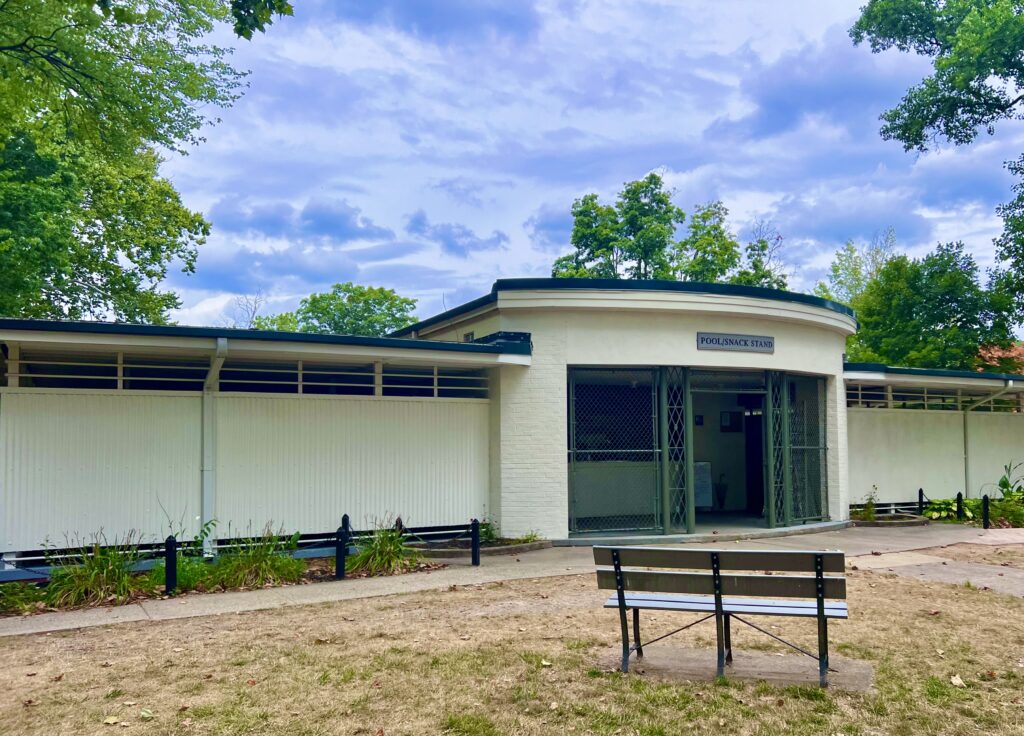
x=613, y=450
x=675, y=466
x=777, y=465
x=807, y=447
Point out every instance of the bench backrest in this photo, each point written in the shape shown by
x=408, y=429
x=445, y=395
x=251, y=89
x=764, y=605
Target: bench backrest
x=706, y=566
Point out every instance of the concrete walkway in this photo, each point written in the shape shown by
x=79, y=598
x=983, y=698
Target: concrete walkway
x=870, y=547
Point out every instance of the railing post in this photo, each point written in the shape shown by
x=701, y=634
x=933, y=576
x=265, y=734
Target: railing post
x=960, y=505
x=341, y=548
x=475, y=537
x=170, y=565
x=920, y=502
x=985, y=523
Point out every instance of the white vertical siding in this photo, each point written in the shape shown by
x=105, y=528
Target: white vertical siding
x=901, y=450
x=301, y=463
x=994, y=440
x=77, y=463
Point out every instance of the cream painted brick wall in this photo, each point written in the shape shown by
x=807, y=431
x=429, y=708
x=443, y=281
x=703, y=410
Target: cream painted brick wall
x=838, y=452
x=534, y=486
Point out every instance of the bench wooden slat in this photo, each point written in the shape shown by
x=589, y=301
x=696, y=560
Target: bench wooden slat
x=753, y=606
x=775, y=586
x=728, y=559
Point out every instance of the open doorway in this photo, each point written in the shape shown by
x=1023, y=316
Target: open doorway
x=729, y=459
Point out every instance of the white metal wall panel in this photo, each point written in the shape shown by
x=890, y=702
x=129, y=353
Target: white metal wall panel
x=993, y=440
x=901, y=450
x=74, y=464
x=300, y=463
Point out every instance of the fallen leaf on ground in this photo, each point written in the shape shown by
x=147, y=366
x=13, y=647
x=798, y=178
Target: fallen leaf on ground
x=146, y=714
x=545, y=663
x=957, y=681
x=111, y=720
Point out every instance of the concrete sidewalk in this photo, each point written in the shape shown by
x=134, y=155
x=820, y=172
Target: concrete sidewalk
x=857, y=542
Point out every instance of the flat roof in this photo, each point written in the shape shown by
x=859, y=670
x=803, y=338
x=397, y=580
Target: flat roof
x=522, y=347
x=929, y=372
x=549, y=284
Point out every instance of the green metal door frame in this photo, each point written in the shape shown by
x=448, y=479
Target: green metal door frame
x=769, y=452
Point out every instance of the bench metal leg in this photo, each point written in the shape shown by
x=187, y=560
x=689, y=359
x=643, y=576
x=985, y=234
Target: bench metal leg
x=728, y=639
x=625, y=639
x=720, y=638
x=636, y=633
x=823, y=651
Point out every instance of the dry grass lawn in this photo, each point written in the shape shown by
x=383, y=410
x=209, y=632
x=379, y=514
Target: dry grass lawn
x=513, y=658
x=1011, y=555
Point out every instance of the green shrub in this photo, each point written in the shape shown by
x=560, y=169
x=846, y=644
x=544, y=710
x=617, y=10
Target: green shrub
x=20, y=597
x=383, y=553
x=194, y=573
x=258, y=561
x=945, y=509
x=527, y=538
x=100, y=574
x=488, y=532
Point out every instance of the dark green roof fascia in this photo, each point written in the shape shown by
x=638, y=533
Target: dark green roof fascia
x=936, y=372
x=528, y=284
x=117, y=328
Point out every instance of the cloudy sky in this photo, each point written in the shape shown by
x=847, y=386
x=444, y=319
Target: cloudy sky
x=432, y=146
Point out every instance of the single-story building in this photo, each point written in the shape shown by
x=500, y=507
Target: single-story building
x=571, y=408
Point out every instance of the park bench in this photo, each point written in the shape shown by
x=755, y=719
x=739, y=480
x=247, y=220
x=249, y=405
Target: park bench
x=725, y=585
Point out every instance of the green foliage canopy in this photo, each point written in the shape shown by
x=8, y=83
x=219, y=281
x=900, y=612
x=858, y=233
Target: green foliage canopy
x=930, y=312
x=976, y=82
x=347, y=309
x=635, y=238
x=89, y=91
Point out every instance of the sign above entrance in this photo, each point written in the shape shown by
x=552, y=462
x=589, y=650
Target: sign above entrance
x=743, y=343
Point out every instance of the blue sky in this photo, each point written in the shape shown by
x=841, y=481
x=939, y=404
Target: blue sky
x=432, y=147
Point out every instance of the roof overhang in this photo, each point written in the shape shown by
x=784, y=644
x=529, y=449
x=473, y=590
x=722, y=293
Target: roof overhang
x=651, y=296
x=81, y=337
x=882, y=375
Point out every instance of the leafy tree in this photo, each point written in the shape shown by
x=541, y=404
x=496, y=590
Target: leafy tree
x=255, y=15
x=629, y=239
x=116, y=75
x=347, y=309
x=284, y=322
x=597, y=239
x=709, y=253
x=930, y=313
x=759, y=267
x=855, y=267
x=977, y=82
x=648, y=220
x=89, y=89
x=82, y=236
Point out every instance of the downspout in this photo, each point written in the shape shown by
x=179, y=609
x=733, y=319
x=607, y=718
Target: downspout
x=967, y=409
x=208, y=492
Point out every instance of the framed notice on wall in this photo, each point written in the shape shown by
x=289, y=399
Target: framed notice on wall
x=702, y=485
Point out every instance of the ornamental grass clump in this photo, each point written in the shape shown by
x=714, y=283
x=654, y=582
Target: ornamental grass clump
x=384, y=552
x=99, y=573
x=20, y=597
x=255, y=562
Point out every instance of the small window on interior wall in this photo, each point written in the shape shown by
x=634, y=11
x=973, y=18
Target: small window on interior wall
x=468, y=337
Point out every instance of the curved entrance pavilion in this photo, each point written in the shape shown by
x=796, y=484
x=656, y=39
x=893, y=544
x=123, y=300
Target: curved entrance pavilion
x=661, y=407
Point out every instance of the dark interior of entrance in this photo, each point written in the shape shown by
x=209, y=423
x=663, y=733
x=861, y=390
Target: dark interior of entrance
x=729, y=456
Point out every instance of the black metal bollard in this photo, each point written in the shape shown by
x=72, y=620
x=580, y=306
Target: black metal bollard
x=170, y=565
x=984, y=512
x=341, y=548
x=959, y=505
x=475, y=539
x=920, y=502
